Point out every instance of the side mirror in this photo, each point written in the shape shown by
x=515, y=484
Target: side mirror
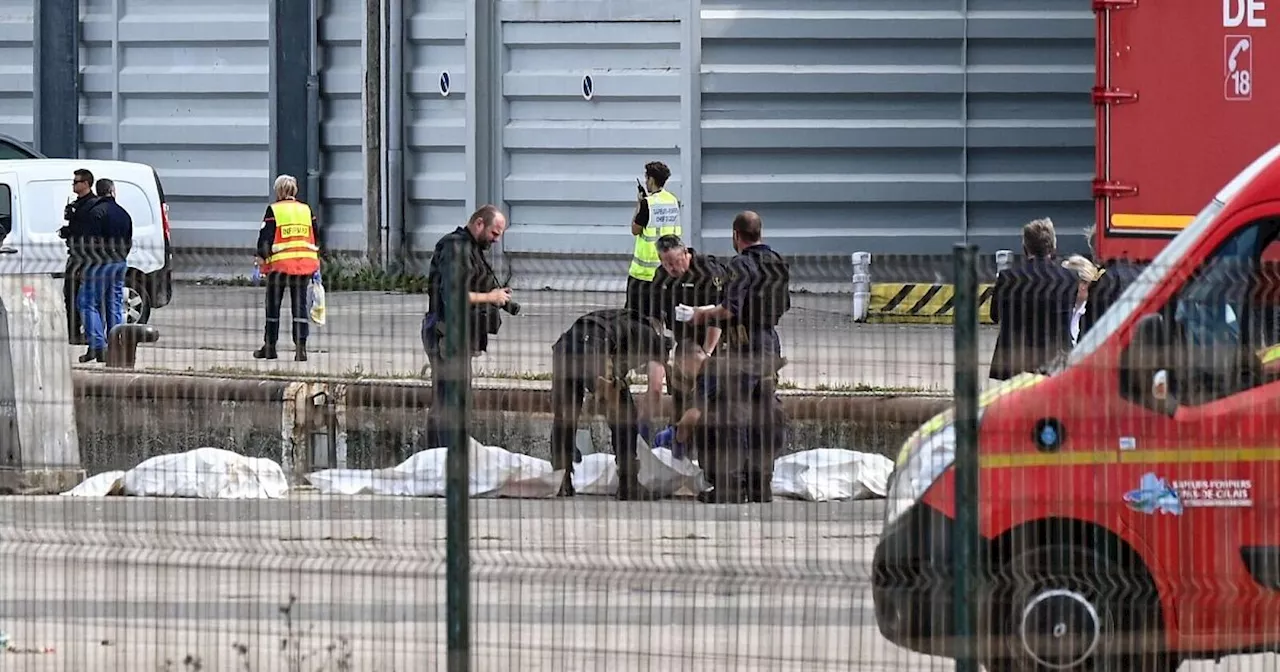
x=1144, y=366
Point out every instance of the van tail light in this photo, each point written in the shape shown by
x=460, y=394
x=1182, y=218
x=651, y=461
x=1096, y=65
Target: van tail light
x=164, y=219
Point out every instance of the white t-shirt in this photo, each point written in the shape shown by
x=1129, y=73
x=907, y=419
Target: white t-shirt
x=1075, y=321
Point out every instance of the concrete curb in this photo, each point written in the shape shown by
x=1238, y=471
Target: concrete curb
x=855, y=407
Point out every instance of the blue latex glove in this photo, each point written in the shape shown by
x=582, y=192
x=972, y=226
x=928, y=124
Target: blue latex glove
x=665, y=438
x=315, y=277
x=646, y=433
x=257, y=274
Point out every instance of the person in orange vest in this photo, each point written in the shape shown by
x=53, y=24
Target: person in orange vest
x=288, y=255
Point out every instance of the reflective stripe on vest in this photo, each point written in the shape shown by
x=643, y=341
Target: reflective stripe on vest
x=294, y=250
x=664, y=220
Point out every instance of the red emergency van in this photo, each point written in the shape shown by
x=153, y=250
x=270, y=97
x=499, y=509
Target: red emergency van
x=1185, y=94
x=1128, y=499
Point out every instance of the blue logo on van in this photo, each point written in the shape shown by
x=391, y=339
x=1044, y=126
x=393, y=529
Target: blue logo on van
x=1154, y=495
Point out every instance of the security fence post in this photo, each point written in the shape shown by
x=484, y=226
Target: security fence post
x=966, y=462
x=456, y=364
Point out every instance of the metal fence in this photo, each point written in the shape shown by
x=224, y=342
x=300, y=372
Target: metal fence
x=353, y=545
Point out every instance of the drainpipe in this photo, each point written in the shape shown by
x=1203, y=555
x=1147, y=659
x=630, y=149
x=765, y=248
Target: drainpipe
x=313, y=115
x=395, y=76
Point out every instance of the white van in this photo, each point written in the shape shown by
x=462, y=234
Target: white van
x=33, y=195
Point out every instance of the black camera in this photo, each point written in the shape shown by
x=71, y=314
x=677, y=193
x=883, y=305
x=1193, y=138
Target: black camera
x=511, y=307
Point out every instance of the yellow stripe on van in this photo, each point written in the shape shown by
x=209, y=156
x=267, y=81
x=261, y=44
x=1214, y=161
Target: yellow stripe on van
x=1080, y=459
x=1151, y=222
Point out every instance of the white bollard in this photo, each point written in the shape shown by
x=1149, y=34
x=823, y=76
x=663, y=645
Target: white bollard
x=861, y=285
x=1004, y=259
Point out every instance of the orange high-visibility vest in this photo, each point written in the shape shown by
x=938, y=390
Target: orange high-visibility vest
x=294, y=250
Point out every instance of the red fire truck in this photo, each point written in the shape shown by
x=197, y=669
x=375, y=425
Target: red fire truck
x=1187, y=92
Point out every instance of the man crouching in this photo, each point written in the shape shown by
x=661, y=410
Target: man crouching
x=735, y=425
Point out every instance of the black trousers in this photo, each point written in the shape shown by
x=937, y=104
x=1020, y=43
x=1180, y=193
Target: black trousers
x=575, y=370
x=297, y=286
x=639, y=295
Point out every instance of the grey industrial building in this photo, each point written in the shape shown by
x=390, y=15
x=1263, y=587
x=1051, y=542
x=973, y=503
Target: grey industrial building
x=894, y=126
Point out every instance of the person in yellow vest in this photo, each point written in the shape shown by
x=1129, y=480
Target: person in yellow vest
x=288, y=256
x=657, y=214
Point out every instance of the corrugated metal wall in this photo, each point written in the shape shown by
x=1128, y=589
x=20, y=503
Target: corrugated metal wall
x=17, y=65
x=184, y=86
x=587, y=105
x=341, y=54
x=435, y=116
x=896, y=127
x=900, y=126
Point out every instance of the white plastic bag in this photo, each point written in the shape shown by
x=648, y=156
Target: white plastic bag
x=831, y=474
x=315, y=301
x=596, y=474
x=664, y=475
x=101, y=485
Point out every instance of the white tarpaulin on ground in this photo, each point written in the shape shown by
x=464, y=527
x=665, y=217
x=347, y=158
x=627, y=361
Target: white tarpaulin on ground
x=203, y=473
x=831, y=474
x=495, y=472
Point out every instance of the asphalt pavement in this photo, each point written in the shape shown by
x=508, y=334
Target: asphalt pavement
x=585, y=584
x=215, y=328
x=357, y=583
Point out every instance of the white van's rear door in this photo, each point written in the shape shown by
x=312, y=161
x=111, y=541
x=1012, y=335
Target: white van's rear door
x=11, y=241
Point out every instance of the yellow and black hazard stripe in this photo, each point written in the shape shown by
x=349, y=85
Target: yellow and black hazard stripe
x=911, y=303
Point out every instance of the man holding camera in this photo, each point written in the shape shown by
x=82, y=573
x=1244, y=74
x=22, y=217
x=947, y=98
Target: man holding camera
x=657, y=214
x=459, y=257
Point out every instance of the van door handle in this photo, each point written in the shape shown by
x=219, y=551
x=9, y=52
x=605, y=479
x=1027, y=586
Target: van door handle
x=8, y=250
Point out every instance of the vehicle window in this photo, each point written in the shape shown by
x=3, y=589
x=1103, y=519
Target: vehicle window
x=1222, y=321
x=10, y=151
x=6, y=211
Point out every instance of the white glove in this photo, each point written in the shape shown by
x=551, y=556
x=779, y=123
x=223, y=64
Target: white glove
x=684, y=313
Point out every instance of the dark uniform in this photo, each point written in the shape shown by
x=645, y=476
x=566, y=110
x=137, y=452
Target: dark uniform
x=701, y=285
x=595, y=355
x=745, y=367
x=446, y=268
x=736, y=410
x=79, y=222
x=1117, y=275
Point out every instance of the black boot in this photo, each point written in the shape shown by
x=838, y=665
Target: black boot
x=92, y=355
x=300, y=352
x=760, y=488
x=265, y=352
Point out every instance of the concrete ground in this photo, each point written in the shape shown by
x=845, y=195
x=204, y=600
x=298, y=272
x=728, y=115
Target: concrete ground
x=586, y=584
x=378, y=334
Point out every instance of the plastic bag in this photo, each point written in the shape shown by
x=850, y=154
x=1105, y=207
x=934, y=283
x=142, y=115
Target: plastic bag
x=315, y=300
x=831, y=475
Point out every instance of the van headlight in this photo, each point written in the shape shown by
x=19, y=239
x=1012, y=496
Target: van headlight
x=917, y=474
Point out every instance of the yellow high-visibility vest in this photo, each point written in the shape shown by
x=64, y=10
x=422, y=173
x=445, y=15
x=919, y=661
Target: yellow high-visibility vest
x=664, y=220
x=294, y=250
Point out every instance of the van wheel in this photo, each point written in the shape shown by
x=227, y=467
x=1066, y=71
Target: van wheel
x=1070, y=608
x=137, y=301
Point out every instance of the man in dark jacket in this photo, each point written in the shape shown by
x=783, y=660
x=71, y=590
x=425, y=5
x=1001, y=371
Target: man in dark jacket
x=1033, y=303
x=106, y=243
x=459, y=258
x=1117, y=275
x=76, y=215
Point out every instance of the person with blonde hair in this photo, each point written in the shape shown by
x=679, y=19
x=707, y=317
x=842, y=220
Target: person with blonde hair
x=1087, y=274
x=288, y=255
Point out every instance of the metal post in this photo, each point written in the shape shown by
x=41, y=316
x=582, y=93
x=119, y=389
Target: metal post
x=456, y=412
x=966, y=465
x=374, y=218
x=861, y=285
x=56, y=115
x=397, y=234
x=291, y=35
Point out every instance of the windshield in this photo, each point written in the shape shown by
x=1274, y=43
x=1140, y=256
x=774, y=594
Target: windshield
x=1155, y=273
